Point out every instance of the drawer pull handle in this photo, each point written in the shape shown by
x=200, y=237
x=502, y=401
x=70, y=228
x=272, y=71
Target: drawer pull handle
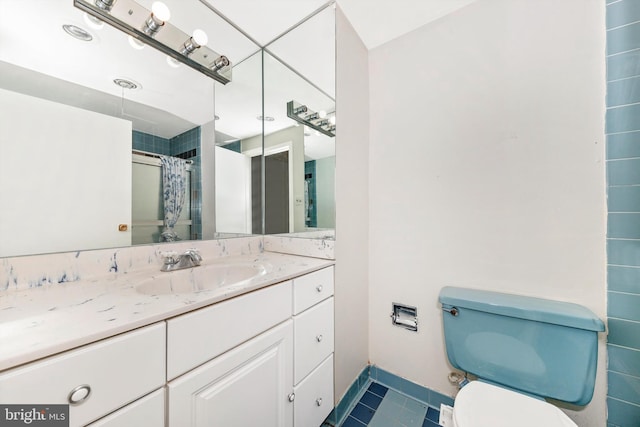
x=79, y=394
x=319, y=401
x=292, y=397
x=319, y=288
x=319, y=338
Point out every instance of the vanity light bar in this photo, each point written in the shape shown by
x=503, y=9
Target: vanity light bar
x=302, y=114
x=141, y=24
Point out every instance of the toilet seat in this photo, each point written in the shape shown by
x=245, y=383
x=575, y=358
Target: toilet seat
x=479, y=404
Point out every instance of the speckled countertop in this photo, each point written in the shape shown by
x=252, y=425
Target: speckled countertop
x=38, y=322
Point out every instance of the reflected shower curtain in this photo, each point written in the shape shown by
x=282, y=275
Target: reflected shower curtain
x=174, y=183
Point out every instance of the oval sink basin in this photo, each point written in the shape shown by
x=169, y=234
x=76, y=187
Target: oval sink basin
x=200, y=279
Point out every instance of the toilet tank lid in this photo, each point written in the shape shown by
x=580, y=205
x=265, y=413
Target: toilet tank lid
x=529, y=308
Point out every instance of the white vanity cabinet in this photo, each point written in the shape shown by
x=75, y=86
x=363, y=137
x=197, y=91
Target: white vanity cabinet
x=252, y=361
x=95, y=379
x=313, y=326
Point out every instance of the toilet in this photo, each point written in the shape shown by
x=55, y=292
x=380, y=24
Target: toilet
x=522, y=350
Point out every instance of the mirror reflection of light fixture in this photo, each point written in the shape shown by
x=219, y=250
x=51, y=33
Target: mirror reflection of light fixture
x=135, y=43
x=151, y=27
x=196, y=41
x=160, y=14
x=105, y=4
x=302, y=114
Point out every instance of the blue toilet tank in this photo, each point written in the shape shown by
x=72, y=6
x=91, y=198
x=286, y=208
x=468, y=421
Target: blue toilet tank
x=541, y=347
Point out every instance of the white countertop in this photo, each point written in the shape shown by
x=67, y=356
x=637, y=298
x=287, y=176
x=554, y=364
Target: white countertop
x=39, y=322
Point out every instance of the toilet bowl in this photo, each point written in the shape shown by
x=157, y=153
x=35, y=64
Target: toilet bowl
x=479, y=404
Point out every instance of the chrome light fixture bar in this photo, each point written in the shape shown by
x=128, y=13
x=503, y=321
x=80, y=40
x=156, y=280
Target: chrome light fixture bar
x=302, y=114
x=155, y=30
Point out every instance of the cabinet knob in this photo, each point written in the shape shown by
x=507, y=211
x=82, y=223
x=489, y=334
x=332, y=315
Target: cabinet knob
x=292, y=397
x=79, y=394
x=319, y=288
x=319, y=401
x=319, y=338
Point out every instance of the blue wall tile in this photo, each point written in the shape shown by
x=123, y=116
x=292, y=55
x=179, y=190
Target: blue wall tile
x=624, y=306
x=623, y=12
x=624, y=279
x=624, y=387
x=623, y=92
x=624, y=333
x=623, y=225
x=623, y=119
x=623, y=414
x=623, y=252
x=623, y=172
x=623, y=39
x=623, y=65
x=624, y=360
x=623, y=199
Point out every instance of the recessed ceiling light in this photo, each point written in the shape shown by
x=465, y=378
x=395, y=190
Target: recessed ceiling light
x=77, y=32
x=266, y=118
x=127, y=84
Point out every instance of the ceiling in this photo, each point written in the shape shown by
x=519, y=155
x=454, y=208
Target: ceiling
x=378, y=21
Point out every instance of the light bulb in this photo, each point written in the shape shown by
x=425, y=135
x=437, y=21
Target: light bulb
x=172, y=62
x=200, y=37
x=332, y=120
x=161, y=11
x=93, y=22
x=322, y=114
x=135, y=43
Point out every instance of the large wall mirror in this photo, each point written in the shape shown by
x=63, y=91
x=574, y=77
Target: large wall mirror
x=299, y=68
x=88, y=115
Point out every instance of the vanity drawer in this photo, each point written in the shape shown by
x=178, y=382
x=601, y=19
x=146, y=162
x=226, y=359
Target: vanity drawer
x=195, y=338
x=312, y=288
x=314, y=396
x=147, y=411
x=313, y=338
x=117, y=371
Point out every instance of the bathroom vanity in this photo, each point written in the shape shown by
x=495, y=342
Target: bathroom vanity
x=122, y=351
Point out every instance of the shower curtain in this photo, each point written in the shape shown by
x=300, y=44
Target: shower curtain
x=174, y=178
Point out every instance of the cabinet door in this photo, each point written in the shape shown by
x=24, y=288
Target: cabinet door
x=314, y=396
x=247, y=386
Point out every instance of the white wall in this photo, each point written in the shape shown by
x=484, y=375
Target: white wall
x=352, y=196
x=65, y=177
x=486, y=171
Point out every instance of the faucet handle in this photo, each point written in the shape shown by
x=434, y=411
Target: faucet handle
x=170, y=257
x=194, y=254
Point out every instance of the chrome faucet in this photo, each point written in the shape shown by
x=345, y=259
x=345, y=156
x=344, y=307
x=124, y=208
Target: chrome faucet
x=173, y=261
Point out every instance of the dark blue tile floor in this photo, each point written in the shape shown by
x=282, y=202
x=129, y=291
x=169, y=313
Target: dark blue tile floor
x=380, y=406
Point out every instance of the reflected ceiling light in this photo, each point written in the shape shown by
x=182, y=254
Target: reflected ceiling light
x=105, y=4
x=196, y=41
x=127, y=84
x=135, y=43
x=93, y=22
x=159, y=15
x=266, y=118
x=318, y=121
x=216, y=117
x=77, y=32
x=172, y=62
